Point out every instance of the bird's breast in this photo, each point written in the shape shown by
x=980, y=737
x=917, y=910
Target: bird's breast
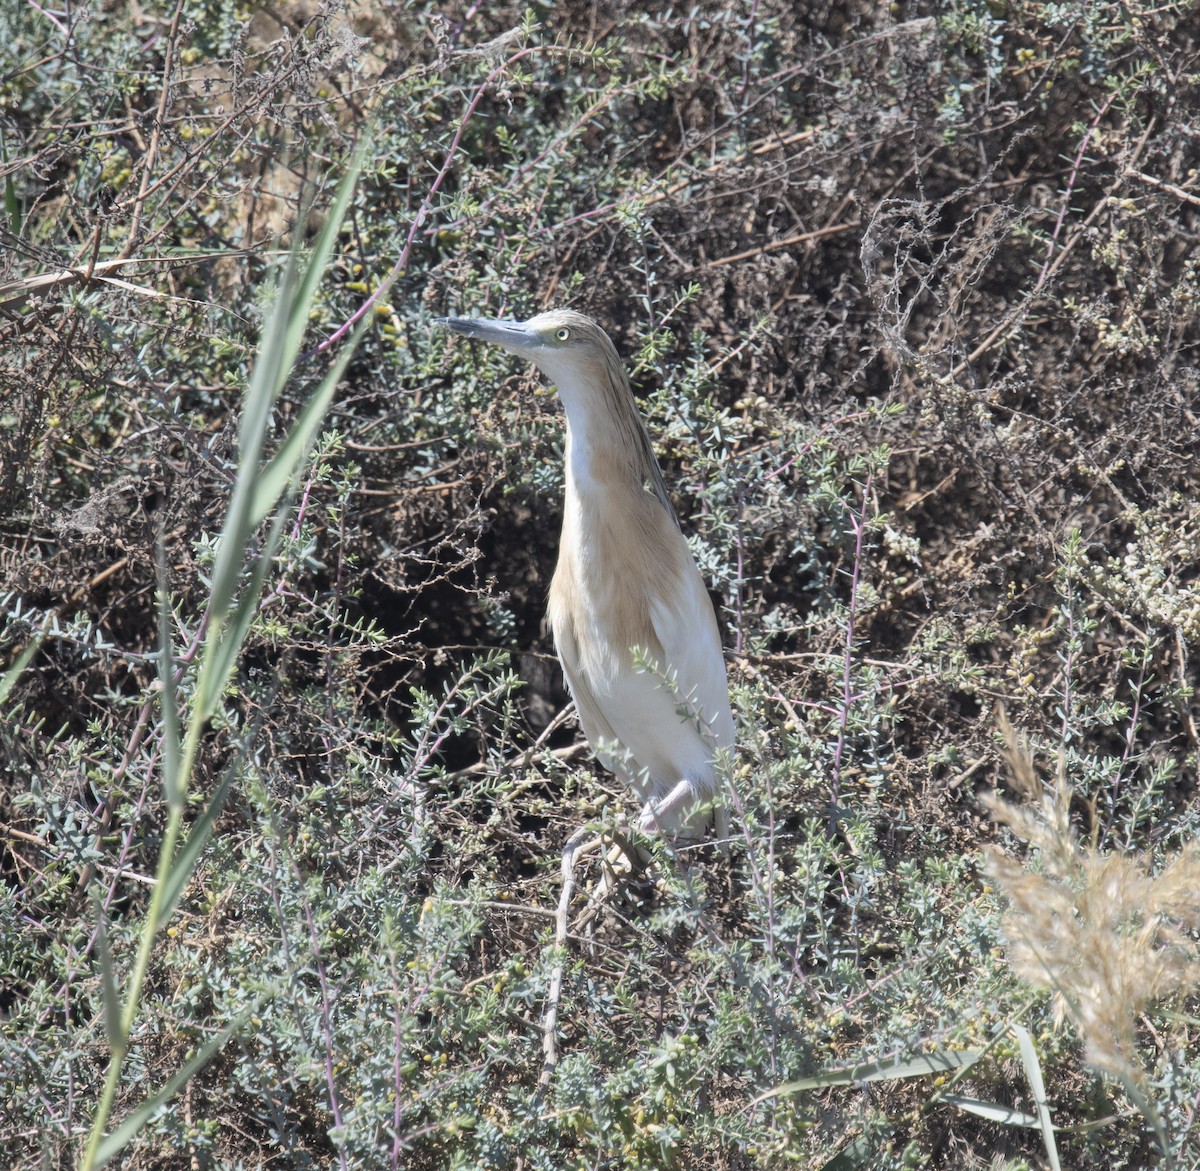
x=617, y=556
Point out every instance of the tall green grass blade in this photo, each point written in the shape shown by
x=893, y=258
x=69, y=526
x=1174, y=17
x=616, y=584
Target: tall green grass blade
x=1033, y=1072
x=851, y=1157
x=1010, y=1116
x=201, y=831
x=324, y=244
x=993, y=1111
x=173, y=781
x=17, y=669
x=11, y=204
x=113, y=1144
x=233, y=603
x=256, y=493
x=221, y=657
x=256, y=421
x=108, y=984
x=281, y=468
x=926, y=1065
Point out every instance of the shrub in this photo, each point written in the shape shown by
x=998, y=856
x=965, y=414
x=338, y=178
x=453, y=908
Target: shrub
x=910, y=305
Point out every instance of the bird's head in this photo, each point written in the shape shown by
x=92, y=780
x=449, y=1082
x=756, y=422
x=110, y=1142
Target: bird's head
x=563, y=344
x=580, y=359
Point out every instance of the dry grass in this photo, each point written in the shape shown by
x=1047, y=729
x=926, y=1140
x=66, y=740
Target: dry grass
x=1106, y=932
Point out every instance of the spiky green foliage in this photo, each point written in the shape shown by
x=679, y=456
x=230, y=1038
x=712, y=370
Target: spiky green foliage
x=910, y=307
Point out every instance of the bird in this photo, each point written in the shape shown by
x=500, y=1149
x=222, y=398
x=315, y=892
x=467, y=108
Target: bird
x=633, y=624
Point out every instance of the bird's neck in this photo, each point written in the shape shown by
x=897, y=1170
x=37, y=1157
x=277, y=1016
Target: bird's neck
x=596, y=465
x=608, y=453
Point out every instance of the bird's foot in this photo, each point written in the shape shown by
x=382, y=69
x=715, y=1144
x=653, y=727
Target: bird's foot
x=621, y=862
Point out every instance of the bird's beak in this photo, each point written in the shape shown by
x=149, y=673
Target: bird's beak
x=512, y=335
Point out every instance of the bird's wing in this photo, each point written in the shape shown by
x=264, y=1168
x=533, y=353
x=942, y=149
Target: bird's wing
x=596, y=728
x=691, y=642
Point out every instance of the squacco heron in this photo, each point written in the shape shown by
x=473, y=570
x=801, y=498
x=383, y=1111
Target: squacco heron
x=626, y=581
x=632, y=620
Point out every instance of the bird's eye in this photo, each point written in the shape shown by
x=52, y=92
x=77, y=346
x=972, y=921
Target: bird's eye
x=563, y=334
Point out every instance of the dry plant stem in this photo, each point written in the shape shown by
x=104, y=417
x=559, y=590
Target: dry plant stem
x=571, y=850
x=621, y=848
x=105, y=810
x=326, y=1024
x=1170, y=188
x=739, y=596
x=1183, y=706
x=160, y=114
x=858, y=522
x=425, y=749
x=1066, y=200
x=1012, y=320
x=606, y=210
x=398, y=1080
x=516, y=183
x=775, y=245
x=518, y=764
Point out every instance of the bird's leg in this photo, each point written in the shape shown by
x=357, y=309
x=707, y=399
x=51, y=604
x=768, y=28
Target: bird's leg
x=636, y=860
x=621, y=850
